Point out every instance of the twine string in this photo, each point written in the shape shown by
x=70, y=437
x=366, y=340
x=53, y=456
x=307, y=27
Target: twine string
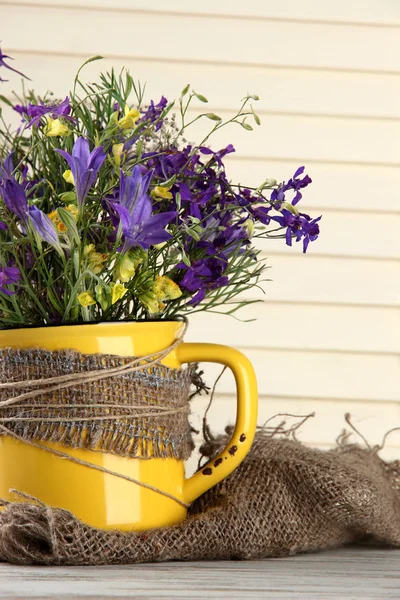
x=84, y=463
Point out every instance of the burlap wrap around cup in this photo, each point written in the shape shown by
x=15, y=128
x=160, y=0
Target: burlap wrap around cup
x=141, y=413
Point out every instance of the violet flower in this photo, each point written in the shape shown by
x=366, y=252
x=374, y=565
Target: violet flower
x=202, y=275
x=7, y=167
x=154, y=112
x=21, y=109
x=44, y=227
x=300, y=226
x=37, y=111
x=6, y=66
x=8, y=276
x=295, y=184
x=14, y=196
x=85, y=166
x=134, y=209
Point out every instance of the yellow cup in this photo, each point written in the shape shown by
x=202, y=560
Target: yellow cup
x=102, y=499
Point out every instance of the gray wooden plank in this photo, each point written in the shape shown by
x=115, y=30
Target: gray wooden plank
x=350, y=573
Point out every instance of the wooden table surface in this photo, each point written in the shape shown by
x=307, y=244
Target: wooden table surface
x=361, y=573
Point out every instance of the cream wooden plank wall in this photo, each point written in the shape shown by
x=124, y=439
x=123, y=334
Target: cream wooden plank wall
x=328, y=74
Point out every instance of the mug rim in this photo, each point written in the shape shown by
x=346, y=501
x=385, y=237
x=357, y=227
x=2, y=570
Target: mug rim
x=94, y=323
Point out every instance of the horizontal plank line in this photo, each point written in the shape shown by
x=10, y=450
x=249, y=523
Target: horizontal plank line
x=318, y=161
x=201, y=61
x=326, y=303
x=196, y=15
x=269, y=397
x=329, y=256
x=341, y=209
x=337, y=351
x=315, y=115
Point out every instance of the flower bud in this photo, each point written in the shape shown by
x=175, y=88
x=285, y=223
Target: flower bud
x=69, y=178
x=117, y=151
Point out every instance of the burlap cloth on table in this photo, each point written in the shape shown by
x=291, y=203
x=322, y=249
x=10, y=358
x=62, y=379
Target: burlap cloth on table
x=283, y=499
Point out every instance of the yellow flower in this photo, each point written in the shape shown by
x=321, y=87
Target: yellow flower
x=130, y=118
x=94, y=260
x=117, y=151
x=161, y=193
x=162, y=290
x=55, y=219
x=86, y=299
x=166, y=289
x=118, y=291
x=73, y=210
x=56, y=128
x=69, y=178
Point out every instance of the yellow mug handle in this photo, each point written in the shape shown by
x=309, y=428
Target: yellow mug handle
x=246, y=420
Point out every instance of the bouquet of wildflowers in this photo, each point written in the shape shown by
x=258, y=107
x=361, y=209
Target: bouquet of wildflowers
x=108, y=213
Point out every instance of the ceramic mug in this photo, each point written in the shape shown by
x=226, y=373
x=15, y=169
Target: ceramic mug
x=102, y=499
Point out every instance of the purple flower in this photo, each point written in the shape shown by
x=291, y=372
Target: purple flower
x=85, y=166
x=6, y=168
x=300, y=226
x=14, y=197
x=154, y=112
x=44, y=227
x=295, y=184
x=8, y=276
x=134, y=209
x=37, y=111
x=20, y=109
x=218, y=155
x=6, y=66
x=202, y=275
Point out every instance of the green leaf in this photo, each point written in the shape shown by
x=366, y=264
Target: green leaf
x=167, y=110
x=212, y=116
x=200, y=97
x=246, y=126
x=68, y=220
x=193, y=234
x=68, y=197
x=185, y=90
x=256, y=117
x=169, y=182
x=6, y=101
x=129, y=85
x=185, y=259
x=178, y=200
x=89, y=60
x=254, y=97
